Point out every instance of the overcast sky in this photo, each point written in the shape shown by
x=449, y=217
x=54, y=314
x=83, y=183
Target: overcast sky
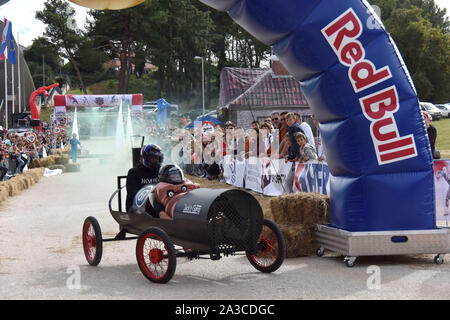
x=22, y=15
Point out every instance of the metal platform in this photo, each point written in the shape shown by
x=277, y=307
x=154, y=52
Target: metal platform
x=374, y=243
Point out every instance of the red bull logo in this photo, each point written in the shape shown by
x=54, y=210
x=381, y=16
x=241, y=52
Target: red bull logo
x=379, y=108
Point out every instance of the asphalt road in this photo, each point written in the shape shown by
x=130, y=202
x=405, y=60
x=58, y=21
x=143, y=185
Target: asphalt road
x=41, y=256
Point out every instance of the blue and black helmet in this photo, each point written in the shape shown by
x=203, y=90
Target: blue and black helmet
x=152, y=156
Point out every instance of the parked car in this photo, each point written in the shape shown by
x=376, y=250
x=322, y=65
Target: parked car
x=192, y=114
x=432, y=110
x=445, y=109
x=212, y=113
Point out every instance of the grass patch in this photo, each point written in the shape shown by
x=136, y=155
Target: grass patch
x=443, y=137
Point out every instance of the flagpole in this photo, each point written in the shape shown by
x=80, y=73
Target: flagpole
x=6, y=93
x=18, y=75
x=12, y=91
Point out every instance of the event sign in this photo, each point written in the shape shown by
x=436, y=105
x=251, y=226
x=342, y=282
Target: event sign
x=31, y=137
x=207, y=127
x=137, y=111
x=148, y=130
x=57, y=130
x=442, y=190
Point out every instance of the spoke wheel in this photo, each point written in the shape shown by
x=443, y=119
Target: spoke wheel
x=271, y=249
x=156, y=255
x=92, y=241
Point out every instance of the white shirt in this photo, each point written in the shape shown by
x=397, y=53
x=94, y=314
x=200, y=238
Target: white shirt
x=269, y=142
x=319, y=148
x=308, y=133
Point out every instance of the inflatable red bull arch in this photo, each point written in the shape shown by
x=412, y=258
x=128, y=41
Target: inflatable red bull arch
x=361, y=92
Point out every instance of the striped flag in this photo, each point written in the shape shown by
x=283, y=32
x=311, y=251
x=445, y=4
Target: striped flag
x=7, y=37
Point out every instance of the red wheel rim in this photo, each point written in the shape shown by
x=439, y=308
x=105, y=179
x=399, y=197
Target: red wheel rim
x=89, y=241
x=269, y=254
x=153, y=256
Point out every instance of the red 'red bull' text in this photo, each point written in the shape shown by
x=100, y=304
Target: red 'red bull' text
x=342, y=34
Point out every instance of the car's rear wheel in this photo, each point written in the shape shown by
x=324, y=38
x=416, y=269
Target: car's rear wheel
x=271, y=248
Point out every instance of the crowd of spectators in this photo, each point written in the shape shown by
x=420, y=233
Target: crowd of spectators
x=18, y=149
x=281, y=136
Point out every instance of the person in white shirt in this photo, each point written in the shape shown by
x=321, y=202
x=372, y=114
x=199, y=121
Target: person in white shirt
x=319, y=146
x=265, y=130
x=306, y=129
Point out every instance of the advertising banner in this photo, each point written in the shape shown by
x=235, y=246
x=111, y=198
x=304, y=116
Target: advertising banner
x=442, y=190
x=60, y=112
x=97, y=100
x=277, y=177
x=254, y=174
x=234, y=171
x=312, y=176
x=137, y=111
x=93, y=100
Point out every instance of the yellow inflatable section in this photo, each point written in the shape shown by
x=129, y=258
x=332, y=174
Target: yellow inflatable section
x=107, y=4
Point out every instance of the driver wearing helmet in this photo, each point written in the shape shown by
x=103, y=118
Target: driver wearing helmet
x=171, y=187
x=146, y=172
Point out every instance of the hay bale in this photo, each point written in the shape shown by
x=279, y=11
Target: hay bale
x=4, y=193
x=301, y=208
x=58, y=166
x=34, y=174
x=62, y=159
x=56, y=152
x=12, y=186
x=20, y=182
x=48, y=161
x=35, y=163
x=300, y=240
x=72, y=167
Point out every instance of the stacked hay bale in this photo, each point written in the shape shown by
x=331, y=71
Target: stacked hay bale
x=59, y=160
x=15, y=185
x=62, y=159
x=297, y=215
x=58, y=166
x=72, y=167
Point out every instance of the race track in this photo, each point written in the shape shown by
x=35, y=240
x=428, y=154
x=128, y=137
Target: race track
x=41, y=255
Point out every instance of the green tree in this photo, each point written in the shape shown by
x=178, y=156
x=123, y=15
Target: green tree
x=90, y=61
x=430, y=11
x=52, y=62
x=61, y=32
x=425, y=49
x=176, y=32
x=115, y=32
